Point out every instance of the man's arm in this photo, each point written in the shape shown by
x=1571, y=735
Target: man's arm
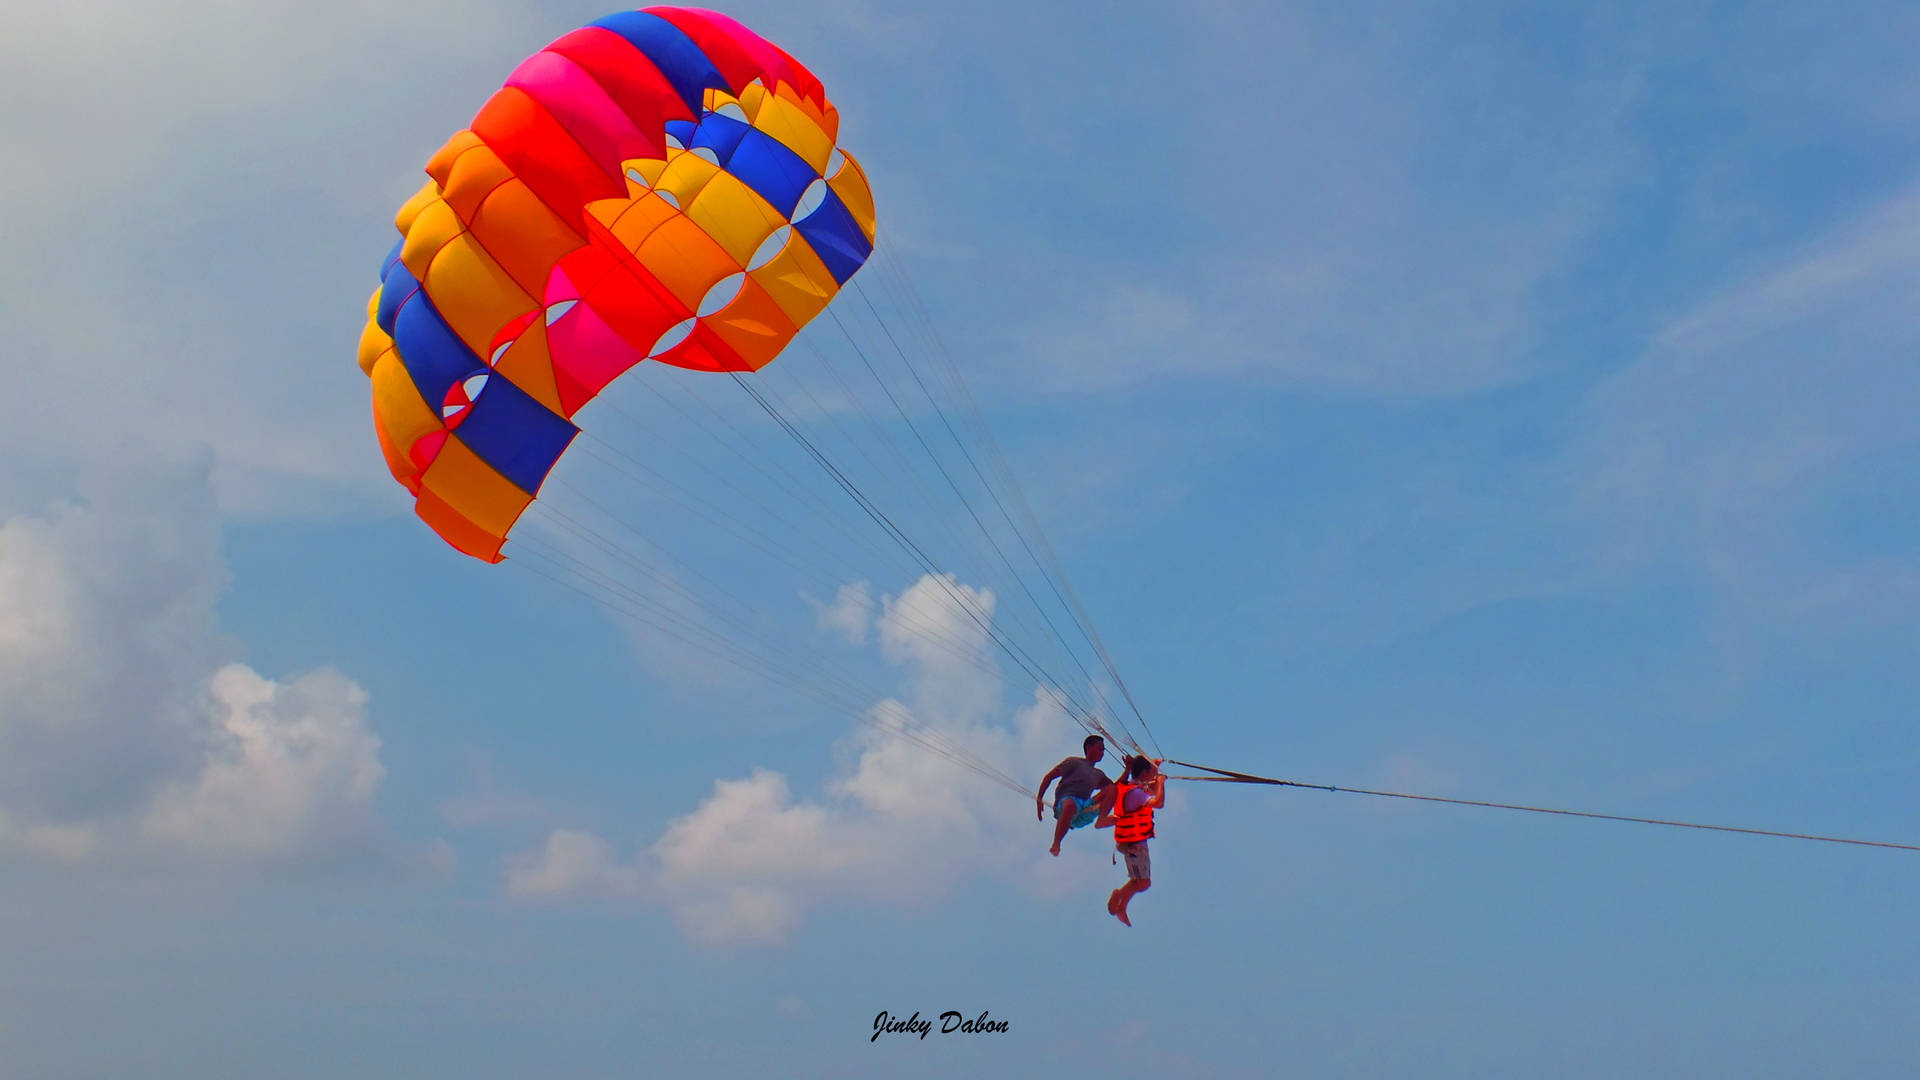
x=1047, y=781
x=1159, y=799
x=1105, y=801
x=1040, y=797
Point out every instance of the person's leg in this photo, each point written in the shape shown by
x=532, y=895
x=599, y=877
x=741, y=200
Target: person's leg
x=1124, y=895
x=1139, y=880
x=1063, y=812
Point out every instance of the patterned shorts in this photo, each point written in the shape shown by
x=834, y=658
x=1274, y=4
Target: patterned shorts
x=1138, y=868
x=1081, y=812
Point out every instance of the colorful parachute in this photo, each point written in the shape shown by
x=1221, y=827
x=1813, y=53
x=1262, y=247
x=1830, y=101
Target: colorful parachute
x=662, y=184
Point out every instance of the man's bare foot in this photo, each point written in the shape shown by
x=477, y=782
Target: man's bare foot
x=1054, y=850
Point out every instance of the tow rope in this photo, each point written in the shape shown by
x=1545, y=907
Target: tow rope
x=1228, y=776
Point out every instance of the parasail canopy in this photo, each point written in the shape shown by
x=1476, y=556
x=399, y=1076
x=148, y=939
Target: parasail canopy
x=660, y=185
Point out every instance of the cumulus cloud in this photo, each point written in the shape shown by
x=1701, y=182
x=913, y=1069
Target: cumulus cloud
x=126, y=731
x=752, y=826
x=744, y=865
x=284, y=765
x=930, y=631
x=850, y=615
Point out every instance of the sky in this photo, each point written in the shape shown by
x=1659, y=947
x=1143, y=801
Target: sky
x=1514, y=403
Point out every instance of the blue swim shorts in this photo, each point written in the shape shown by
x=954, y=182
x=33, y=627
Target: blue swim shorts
x=1070, y=806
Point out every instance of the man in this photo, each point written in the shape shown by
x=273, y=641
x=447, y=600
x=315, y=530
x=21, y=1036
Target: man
x=1073, y=802
x=1128, y=811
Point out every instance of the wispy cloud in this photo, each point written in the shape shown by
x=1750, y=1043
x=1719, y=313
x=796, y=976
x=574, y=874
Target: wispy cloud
x=1766, y=431
x=486, y=802
x=1377, y=208
x=1865, y=263
x=189, y=243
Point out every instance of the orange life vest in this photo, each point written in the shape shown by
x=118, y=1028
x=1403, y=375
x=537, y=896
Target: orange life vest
x=1135, y=827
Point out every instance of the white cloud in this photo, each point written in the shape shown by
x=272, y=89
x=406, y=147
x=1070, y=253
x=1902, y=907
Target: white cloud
x=571, y=863
x=753, y=827
x=850, y=614
x=744, y=866
x=287, y=765
x=930, y=631
x=126, y=732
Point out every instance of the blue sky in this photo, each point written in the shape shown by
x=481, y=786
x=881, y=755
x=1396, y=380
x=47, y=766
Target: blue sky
x=1513, y=404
